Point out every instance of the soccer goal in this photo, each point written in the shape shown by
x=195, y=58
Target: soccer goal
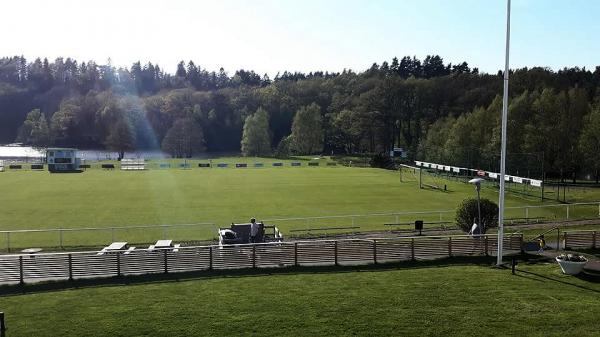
x=409, y=173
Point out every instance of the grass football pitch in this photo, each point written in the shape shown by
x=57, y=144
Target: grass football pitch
x=101, y=198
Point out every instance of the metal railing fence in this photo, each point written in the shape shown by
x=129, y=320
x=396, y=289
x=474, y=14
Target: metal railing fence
x=514, y=214
x=12, y=240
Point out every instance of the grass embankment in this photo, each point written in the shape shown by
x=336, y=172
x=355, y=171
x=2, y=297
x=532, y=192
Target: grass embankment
x=451, y=300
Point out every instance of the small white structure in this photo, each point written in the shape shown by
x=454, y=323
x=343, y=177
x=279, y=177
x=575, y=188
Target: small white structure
x=62, y=160
x=133, y=164
x=1, y=165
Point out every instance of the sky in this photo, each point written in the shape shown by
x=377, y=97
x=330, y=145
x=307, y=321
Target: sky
x=270, y=36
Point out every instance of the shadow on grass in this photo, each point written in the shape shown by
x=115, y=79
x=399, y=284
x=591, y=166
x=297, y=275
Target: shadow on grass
x=49, y=286
x=584, y=276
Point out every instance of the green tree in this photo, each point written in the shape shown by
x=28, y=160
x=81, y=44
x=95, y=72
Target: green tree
x=35, y=130
x=64, y=124
x=307, y=130
x=184, y=139
x=121, y=138
x=589, y=142
x=256, y=137
x=347, y=130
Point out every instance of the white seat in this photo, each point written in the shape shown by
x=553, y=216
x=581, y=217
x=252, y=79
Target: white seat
x=175, y=247
x=131, y=249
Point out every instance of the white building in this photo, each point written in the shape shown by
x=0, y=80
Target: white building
x=62, y=160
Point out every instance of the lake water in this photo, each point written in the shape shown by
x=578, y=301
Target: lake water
x=28, y=153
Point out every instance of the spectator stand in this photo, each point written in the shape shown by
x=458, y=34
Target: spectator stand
x=133, y=164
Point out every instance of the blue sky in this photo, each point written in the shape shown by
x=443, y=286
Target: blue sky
x=271, y=36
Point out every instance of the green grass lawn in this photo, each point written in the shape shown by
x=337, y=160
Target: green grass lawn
x=100, y=198
x=423, y=300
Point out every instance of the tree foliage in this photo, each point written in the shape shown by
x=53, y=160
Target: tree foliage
x=256, y=138
x=120, y=138
x=184, y=139
x=467, y=214
x=435, y=110
x=35, y=130
x=307, y=130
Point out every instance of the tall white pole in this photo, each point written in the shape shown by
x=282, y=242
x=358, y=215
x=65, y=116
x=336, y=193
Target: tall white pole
x=503, y=147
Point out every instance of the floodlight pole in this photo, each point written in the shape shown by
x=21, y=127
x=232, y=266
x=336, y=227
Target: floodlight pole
x=503, y=146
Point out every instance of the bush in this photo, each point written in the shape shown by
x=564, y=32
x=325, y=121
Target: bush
x=382, y=160
x=466, y=214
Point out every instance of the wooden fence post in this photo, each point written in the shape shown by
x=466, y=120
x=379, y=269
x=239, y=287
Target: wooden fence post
x=210, y=258
x=296, y=254
x=335, y=252
x=70, y=267
x=374, y=251
x=521, y=243
x=449, y=246
x=118, y=255
x=254, y=256
x=21, y=279
x=166, y=262
x=566, y=245
x=412, y=249
x=485, y=241
x=2, y=325
x=594, y=239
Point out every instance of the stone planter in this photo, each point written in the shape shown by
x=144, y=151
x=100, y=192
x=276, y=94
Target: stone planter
x=570, y=267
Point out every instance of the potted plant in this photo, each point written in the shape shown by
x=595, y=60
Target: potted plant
x=571, y=264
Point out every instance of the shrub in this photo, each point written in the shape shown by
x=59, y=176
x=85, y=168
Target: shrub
x=466, y=214
x=382, y=160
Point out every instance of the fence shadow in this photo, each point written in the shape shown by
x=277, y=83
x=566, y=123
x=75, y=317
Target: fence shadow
x=128, y=280
x=588, y=277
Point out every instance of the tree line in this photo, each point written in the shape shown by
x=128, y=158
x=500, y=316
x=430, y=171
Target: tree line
x=435, y=110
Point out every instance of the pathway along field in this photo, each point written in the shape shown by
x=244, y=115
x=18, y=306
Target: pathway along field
x=423, y=300
x=100, y=198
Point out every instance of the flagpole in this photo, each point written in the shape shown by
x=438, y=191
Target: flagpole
x=503, y=146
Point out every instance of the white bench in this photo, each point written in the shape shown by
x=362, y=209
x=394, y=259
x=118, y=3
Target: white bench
x=133, y=164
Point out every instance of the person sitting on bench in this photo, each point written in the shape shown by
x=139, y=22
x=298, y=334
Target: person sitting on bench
x=253, y=230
